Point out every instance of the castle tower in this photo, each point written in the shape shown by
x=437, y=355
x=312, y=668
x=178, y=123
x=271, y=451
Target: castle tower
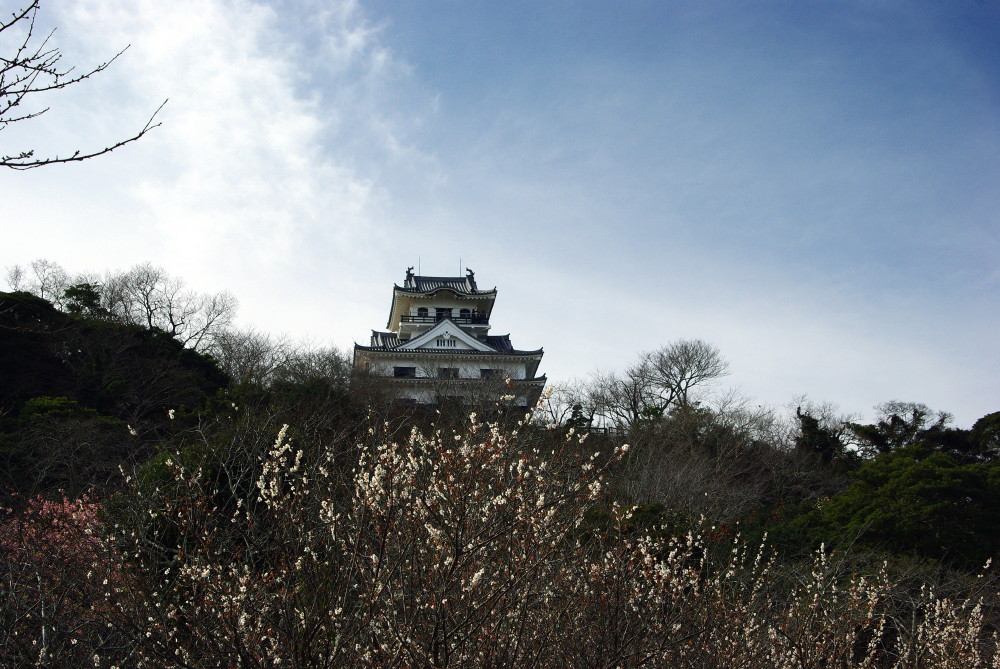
x=438, y=346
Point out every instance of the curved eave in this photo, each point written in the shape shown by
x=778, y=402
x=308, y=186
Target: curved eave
x=465, y=293
x=432, y=380
x=532, y=358
x=423, y=351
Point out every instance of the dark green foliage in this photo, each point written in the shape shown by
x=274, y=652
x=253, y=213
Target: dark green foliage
x=645, y=518
x=31, y=330
x=55, y=443
x=75, y=386
x=135, y=373
x=985, y=436
x=815, y=440
x=900, y=424
x=61, y=407
x=155, y=472
x=904, y=424
x=84, y=299
x=578, y=420
x=21, y=310
x=128, y=372
x=919, y=501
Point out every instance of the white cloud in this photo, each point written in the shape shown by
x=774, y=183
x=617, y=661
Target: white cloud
x=246, y=168
x=270, y=173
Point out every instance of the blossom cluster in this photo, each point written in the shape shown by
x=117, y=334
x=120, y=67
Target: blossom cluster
x=481, y=547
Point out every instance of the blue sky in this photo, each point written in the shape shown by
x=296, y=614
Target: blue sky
x=811, y=186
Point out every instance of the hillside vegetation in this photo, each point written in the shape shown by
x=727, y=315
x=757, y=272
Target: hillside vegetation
x=177, y=492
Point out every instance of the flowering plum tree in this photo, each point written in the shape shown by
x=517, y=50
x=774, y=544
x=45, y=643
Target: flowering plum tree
x=57, y=581
x=474, y=548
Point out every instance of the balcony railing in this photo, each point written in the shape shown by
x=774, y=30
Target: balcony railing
x=460, y=320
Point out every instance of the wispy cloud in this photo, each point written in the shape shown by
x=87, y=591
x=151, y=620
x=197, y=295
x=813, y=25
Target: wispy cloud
x=270, y=169
x=239, y=162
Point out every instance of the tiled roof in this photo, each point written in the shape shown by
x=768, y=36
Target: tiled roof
x=499, y=342
x=426, y=284
x=385, y=340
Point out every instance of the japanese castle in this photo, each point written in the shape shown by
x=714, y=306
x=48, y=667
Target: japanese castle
x=438, y=346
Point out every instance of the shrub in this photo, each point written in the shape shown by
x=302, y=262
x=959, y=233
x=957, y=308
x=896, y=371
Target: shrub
x=469, y=549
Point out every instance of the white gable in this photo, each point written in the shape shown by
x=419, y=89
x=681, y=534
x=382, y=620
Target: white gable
x=446, y=336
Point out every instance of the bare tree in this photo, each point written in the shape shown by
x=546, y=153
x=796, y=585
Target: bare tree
x=43, y=278
x=566, y=404
x=716, y=460
x=679, y=367
x=828, y=415
x=307, y=363
x=146, y=295
x=657, y=381
x=34, y=68
x=624, y=398
x=251, y=356
x=15, y=277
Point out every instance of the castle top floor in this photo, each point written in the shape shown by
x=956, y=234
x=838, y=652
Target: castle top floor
x=423, y=301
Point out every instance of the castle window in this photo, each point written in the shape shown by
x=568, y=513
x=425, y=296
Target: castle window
x=445, y=343
x=448, y=373
x=422, y=311
x=442, y=313
x=404, y=372
x=465, y=313
x=490, y=373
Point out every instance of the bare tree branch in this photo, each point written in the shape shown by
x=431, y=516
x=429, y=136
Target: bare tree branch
x=35, y=68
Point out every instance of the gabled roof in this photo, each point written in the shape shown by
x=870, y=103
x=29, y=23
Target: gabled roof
x=448, y=328
x=389, y=341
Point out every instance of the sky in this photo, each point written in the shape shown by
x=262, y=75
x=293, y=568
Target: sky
x=813, y=187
